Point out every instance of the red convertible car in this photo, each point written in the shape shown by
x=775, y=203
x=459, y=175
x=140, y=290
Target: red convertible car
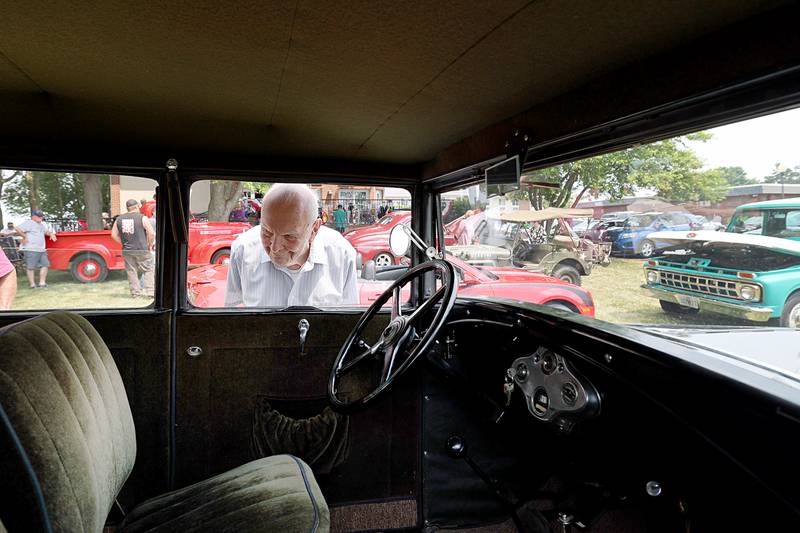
x=372, y=241
x=206, y=286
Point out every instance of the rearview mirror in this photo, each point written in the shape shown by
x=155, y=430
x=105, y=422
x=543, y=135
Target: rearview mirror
x=399, y=241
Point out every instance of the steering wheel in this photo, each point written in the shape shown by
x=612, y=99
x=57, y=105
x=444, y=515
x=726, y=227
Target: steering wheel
x=401, y=342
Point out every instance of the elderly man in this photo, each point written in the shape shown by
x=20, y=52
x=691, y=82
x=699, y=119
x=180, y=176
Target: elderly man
x=290, y=258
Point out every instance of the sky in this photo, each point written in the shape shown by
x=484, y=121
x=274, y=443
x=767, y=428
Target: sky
x=755, y=145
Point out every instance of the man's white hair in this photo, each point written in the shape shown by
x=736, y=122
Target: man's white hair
x=286, y=193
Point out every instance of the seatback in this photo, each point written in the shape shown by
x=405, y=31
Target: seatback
x=67, y=440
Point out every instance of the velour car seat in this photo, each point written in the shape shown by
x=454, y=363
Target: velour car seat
x=68, y=444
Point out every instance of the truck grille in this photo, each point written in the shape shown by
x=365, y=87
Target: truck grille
x=701, y=284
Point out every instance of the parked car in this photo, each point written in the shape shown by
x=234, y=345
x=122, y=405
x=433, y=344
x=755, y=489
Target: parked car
x=702, y=222
x=773, y=218
x=89, y=255
x=753, y=277
x=603, y=230
x=372, y=242
x=582, y=226
x=553, y=249
x=206, y=286
x=637, y=234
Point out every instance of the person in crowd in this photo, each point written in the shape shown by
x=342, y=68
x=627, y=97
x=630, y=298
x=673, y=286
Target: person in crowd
x=291, y=259
x=238, y=213
x=137, y=236
x=8, y=282
x=9, y=231
x=381, y=211
x=340, y=219
x=148, y=208
x=538, y=235
x=33, y=233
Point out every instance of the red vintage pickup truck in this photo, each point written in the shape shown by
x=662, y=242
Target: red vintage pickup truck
x=89, y=255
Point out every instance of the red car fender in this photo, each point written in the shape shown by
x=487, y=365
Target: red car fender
x=540, y=293
x=70, y=244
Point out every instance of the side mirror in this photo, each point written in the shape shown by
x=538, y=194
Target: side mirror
x=399, y=241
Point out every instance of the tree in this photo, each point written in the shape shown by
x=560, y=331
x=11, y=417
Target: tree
x=781, y=174
x=93, y=200
x=6, y=176
x=735, y=176
x=223, y=197
x=669, y=167
x=60, y=195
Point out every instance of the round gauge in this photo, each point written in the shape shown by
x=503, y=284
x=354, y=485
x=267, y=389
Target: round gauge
x=522, y=372
x=569, y=394
x=540, y=402
x=549, y=362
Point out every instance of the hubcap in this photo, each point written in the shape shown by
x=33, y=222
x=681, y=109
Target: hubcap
x=794, y=317
x=383, y=260
x=89, y=269
x=647, y=249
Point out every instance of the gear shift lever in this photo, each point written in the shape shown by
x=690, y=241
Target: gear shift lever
x=456, y=447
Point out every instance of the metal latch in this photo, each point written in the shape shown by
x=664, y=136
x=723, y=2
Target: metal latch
x=303, y=326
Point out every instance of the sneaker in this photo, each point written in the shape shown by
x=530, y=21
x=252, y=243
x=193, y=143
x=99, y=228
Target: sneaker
x=43, y=286
x=33, y=287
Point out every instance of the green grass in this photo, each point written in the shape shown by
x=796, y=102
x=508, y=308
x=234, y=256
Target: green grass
x=63, y=292
x=616, y=290
x=619, y=298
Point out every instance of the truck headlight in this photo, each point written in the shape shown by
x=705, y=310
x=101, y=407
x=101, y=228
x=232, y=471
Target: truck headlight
x=651, y=276
x=749, y=292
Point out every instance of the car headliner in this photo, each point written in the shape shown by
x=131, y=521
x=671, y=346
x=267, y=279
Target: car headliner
x=419, y=88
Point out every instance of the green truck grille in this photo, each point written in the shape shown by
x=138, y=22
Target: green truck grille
x=701, y=284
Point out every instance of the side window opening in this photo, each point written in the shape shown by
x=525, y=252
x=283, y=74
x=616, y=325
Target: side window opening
x=77, y=240
x=247, y=249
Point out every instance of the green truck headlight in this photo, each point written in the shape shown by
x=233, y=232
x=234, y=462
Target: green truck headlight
x=652, y=276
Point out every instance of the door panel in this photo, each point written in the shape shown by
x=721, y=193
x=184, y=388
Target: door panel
x=248, y=358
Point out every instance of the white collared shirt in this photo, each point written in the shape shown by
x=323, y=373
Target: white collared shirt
x=328, y=277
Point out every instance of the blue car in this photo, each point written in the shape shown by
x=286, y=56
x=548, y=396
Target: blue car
x=635, y=237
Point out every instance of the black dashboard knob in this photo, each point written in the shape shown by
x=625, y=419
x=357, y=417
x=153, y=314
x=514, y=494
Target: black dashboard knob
x=456, y=446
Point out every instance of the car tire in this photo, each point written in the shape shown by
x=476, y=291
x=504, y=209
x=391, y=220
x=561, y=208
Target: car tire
x=560, y=305
x=221, y=257
x=383, y=259
x=647, y=248
x=790, y=318
x=567, y=273
x=88, y=268
x=677, y=309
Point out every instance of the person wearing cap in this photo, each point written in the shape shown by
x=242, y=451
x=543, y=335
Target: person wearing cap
x=134, y=231
x=33, y=232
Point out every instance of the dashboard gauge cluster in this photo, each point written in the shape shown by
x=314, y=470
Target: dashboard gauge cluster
x=552, y=390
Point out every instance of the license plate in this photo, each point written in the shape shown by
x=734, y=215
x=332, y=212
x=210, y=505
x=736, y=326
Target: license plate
x=688, y=301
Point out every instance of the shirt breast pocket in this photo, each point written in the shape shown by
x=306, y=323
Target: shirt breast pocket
x=325, y=293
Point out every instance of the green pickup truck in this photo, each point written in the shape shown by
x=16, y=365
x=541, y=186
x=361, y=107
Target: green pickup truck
x=750, y=271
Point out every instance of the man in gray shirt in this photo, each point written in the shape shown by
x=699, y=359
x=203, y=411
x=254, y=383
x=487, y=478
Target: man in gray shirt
x=33, y=232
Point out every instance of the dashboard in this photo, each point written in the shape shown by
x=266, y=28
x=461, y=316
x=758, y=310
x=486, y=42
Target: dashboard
x=552, y=390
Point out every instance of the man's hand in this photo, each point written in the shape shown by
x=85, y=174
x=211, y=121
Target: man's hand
x=53, y=237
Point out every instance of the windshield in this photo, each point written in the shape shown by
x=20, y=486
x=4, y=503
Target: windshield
x=618, y=260
x=770, y=222
x=639, y=221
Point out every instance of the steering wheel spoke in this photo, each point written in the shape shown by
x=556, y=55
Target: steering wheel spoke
x=426, y=305
x=403, y=339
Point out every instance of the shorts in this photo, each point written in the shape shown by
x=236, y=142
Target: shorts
x=34, y=260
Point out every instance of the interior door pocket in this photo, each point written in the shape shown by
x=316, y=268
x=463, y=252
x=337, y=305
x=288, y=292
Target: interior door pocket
x=308, y=429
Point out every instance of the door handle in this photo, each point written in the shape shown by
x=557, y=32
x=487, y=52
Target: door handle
x=303, y=326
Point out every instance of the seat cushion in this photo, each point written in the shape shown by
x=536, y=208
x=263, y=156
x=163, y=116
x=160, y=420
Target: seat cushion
x=277, y=493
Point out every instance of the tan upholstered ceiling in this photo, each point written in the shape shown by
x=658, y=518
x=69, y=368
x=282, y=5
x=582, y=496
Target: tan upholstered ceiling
x=390, y=81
